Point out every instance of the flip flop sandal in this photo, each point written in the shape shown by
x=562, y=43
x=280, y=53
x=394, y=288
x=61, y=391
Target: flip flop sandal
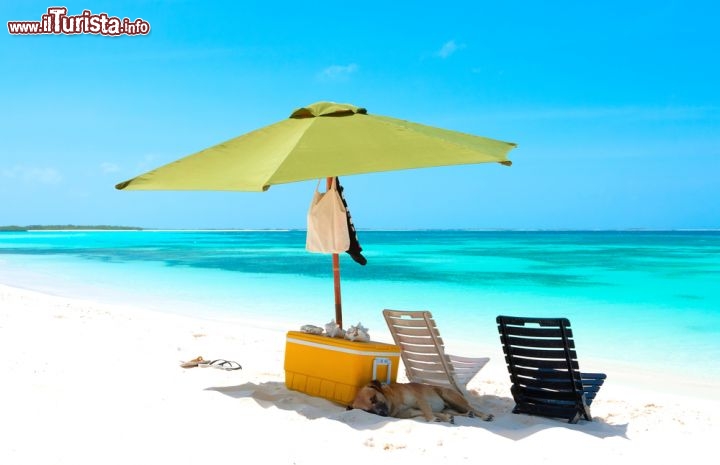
x=193, y=363
x=223, y=365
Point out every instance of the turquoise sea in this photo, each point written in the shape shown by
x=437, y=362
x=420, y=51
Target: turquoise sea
x=651, y=299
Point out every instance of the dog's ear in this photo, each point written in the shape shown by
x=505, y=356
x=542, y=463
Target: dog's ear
x=375, y=384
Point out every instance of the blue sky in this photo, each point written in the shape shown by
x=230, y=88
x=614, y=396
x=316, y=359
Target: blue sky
x=615, y=107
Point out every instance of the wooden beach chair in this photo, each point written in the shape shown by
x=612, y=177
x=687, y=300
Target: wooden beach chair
x=423, y=352
x=544, y=370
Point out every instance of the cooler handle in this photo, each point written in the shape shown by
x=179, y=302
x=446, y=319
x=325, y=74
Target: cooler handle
x=382, y=361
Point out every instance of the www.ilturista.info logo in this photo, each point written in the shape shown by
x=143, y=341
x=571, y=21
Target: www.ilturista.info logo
x=57, y=21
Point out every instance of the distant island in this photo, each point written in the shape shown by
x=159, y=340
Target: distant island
x=68, y=227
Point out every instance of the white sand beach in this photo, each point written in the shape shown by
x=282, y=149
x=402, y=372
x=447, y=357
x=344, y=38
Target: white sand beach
x=91, y=383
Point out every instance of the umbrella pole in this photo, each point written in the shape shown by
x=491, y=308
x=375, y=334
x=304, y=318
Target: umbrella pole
x=338, y=300
x=336, y=278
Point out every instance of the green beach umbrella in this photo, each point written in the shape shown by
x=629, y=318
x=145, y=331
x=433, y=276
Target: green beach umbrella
x=322, y=140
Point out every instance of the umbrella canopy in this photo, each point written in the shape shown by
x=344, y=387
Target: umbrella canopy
x=321, y=140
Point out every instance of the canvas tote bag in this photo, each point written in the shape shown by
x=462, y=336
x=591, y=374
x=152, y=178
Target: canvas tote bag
x=327, y=229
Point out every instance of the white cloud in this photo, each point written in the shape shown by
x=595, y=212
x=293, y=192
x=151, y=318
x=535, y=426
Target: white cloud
x=42, y=175
x=448, y=49
x=109, y=168
x=338, y=72
x=150, y=161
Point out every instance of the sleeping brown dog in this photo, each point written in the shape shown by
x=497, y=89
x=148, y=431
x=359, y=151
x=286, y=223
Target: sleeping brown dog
x=407, y=400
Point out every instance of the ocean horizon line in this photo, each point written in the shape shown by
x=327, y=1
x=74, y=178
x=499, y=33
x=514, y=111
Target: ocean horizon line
x=142, y=229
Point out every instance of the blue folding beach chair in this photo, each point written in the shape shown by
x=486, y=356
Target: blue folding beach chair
x=544, y=370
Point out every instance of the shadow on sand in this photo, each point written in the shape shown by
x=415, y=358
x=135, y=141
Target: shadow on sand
x=505, y=423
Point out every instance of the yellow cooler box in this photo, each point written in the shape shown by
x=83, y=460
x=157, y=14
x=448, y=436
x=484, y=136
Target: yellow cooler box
x=336, y=368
